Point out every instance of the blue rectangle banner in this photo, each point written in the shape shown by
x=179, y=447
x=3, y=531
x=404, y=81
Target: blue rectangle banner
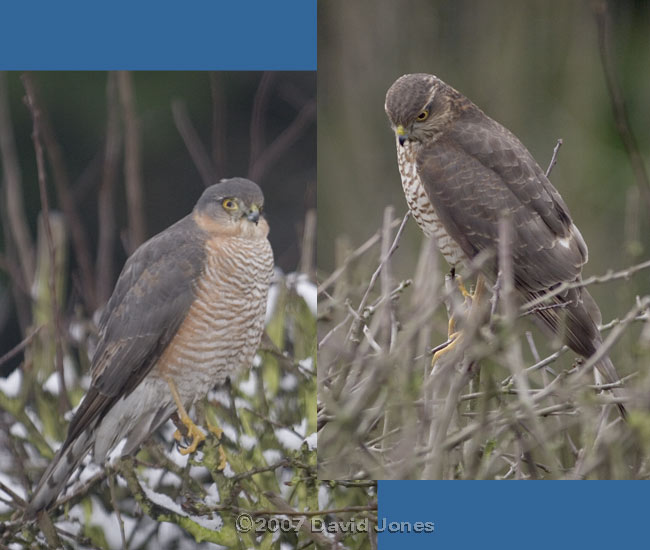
x=512, y=515
x=158, y=34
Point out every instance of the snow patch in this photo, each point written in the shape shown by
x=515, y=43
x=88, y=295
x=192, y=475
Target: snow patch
x=248, y=386
x=18, y=430
x=52, y=384
x=311, y=441
x=166, y=502
x=288, y=439
x=247, y=441
x=272, y=456
x=307, y=291
x=10, y=386
x=307, y=364
x=289, y=382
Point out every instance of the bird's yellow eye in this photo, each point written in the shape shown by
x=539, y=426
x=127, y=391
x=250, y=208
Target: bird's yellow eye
x=423, y=115
x=229, y=204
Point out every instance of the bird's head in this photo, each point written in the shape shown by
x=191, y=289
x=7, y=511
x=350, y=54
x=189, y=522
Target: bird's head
x=418, y=106
x=234, y=206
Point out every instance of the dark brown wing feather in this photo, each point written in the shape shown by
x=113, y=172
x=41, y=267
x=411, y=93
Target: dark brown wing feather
x=478, y=170
x=151, y=298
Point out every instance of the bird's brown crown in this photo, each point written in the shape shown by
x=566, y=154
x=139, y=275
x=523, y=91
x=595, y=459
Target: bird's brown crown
x=408, y=96
x=421, y=105
x=234, y=207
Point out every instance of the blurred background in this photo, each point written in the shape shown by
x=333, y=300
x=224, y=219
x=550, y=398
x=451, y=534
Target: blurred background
x=534, y=66
x=127, y=155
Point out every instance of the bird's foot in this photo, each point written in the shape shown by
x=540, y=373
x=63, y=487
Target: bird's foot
x=451, y=329
x=461, y=286
x=193, y=432
x=216, y=430
x=448, y=346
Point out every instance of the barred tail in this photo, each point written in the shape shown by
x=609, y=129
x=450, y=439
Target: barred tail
x=59, y=471
x=578, y=321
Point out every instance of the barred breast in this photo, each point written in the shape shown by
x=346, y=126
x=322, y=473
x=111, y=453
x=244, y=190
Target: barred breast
x=420, y=206
x=223, y=328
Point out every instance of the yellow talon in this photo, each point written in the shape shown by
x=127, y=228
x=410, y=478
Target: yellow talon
x=216, y=430
x=462, y=288
x=193, y=431
x=455, y=338
x=454, y=334
x=223, y=461
x=451, y=332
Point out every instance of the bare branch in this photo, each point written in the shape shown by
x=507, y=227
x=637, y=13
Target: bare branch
x=372, y=241
x=132, y=162
x=64, y=400
x=308, y=248
x=556, y=150
x=616, y=333
x=13, y=182
x=193, y=143
x=62, y=183
x=286, y=139
x=617, y=99
x=595, y=279
x=105, y=198
x=257, y=128
x=21, y=346
x=218, y=126
x=373, y=279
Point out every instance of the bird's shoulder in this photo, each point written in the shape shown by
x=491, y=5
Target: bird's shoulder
x=481, y=140
x=167, y=263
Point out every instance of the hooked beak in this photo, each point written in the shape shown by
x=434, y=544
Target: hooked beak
x=254, y=214
x=402, y=135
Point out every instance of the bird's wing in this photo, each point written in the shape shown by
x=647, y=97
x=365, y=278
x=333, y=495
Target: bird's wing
x=477, y=171
x=151, y=298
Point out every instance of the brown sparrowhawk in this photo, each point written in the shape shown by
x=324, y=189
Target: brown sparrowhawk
x=186, y=313
x=461, y=172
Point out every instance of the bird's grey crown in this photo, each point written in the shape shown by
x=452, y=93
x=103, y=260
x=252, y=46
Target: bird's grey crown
x=235, y=188
x=408, y=95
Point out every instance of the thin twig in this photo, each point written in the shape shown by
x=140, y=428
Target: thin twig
x=21, y=346
x=373, y=279
x=64, y=400
x=387, y=328
x=312, y=513
x=619, y=108
x=61, y=180
x=13, y=182
x=325, y=338
x=111, y=486
x=308, y=248
x=257, y=129
x=556, y=150
x=372, y=241
x=218, y=126
x=284, y=507
x=105, y=196
x=132, y=162
x=615, y=334
x=193, y=143
x=305, y=117
x=595, y=279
